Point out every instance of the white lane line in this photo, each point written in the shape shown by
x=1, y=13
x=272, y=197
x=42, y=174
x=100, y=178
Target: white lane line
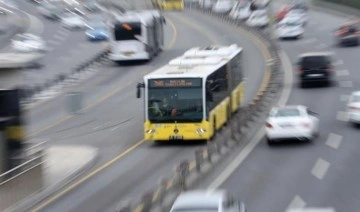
x=344, y=97
x=346, y=84
x=54, y=42
x=320, y=168
x=288, y=78
x=334, y=140
x=342, y=73
x=342, y=116
x=338, y=63
x=297, y=202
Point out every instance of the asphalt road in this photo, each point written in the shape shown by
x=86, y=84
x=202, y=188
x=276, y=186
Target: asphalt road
x=113, y=119
x=67, y=49
x=323, y=173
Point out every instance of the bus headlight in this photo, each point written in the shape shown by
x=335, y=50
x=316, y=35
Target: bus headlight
x=200, y=131
x=151, y=131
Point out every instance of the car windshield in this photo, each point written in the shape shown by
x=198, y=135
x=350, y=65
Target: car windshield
x=287, y=112
x=314, y=62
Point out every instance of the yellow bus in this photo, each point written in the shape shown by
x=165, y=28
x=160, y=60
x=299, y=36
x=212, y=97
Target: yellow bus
x=194, y=95
x=168, y=4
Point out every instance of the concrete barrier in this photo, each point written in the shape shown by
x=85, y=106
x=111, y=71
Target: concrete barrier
x=188, y=173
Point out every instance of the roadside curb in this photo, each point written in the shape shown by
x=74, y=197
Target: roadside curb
x=333, y=8
x=41, y=195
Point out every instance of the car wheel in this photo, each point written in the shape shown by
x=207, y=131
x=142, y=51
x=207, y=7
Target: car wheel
x=269, y=141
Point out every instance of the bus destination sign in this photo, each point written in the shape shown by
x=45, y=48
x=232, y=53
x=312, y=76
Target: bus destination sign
x=184, y=82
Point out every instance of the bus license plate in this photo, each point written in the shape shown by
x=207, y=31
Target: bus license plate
x=176, y=137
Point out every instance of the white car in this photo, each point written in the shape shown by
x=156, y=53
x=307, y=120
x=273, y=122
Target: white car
x=288, y=29
x=202, y=200
x=291, y=122
x=258, y=18
x=28, y=43
x=297, y=14
x=223, y=6
x=71, y=20
x=240, y=11
x=353, y=108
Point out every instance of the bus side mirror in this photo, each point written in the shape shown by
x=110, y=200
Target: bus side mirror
x=138, y=89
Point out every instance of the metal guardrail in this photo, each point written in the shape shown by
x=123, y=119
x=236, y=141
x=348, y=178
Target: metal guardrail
x=189, y=172
x=35, y=158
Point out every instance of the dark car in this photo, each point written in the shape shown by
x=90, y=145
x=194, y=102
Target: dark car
x=315, y=67
x=348, y=34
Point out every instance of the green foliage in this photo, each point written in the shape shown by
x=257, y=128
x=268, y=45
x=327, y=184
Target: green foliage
x=350, y=3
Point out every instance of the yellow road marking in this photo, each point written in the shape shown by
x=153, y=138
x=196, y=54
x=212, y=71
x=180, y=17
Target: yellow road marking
x=118, y=89
x=109, y=163
x=80, y=181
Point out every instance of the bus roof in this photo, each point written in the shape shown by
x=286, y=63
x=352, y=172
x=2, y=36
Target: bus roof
x=196, y=62
x=144, y=16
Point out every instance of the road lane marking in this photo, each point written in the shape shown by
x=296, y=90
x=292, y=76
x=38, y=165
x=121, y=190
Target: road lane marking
x=346, y=84
x=85, y=178
x=198, y=28
x=344, y=72
x=320, y=168
x=344, y=97
x=334, y=140
x=112, y=93
x=342, y=116
x=174, y=37
x=296, y=202
x=288, y=77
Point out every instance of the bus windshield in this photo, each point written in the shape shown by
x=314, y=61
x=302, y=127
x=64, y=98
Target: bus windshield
x=170, y=104
x=127, y=31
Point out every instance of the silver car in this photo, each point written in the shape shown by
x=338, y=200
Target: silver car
x=207, y=201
